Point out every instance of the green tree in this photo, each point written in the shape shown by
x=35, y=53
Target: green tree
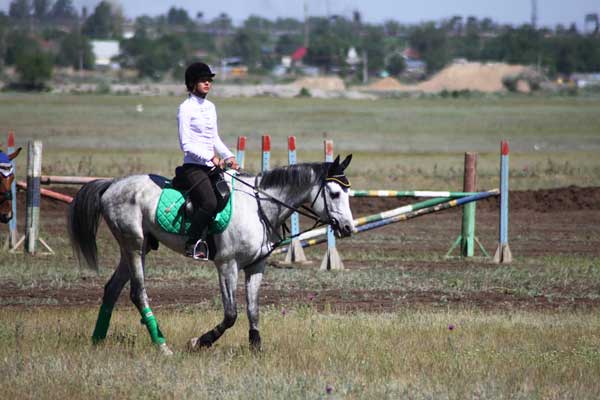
x=395, y=64
x=373, y=43
x=34, y=68
x=76, y=51
x=103, y=23
x=63, y=10
x=41, y=9
x=19, y=9
x=431, y=43
x=178, y=16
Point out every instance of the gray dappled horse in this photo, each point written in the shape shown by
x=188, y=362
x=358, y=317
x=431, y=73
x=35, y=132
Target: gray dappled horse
x=7, y=176
x=128, y=206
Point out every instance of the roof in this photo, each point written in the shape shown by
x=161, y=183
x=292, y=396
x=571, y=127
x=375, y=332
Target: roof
x=299, y=53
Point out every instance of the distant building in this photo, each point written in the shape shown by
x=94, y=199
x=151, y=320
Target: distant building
x=104, y=51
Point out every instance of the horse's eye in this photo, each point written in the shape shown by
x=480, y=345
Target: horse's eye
x=335, y=195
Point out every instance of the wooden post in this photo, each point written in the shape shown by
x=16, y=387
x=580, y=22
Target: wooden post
x=503, y=254
x=468, y=217
x=32, y=221
x=295, y=253
x=332, y=259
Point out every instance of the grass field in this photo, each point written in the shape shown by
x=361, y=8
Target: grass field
x=526, y=330
x=400, y=143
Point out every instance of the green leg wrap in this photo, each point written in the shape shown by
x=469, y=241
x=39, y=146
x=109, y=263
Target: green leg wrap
x=102, y=323
x=153, y=329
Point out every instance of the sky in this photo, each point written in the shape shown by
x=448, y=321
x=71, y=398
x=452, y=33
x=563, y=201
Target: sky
x=516, y=12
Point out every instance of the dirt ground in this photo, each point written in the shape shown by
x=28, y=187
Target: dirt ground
x=555, y=222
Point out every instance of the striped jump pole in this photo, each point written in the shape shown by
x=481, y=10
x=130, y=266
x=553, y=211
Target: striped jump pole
x=32, y=220
x=331, y=260
x=266, y=153
x=295, y=253
x=366, y=226
x=408, y=193
x=377, y=217
x=241, y=151
x=13, y=234
x=503, y=254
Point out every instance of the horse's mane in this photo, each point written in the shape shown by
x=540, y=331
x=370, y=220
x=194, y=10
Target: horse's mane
x=296, y=175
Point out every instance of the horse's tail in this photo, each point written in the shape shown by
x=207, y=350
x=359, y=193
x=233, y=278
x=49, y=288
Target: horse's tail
x=84, y=216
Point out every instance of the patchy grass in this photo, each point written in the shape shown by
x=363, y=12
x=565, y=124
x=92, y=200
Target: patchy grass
x=418, y=354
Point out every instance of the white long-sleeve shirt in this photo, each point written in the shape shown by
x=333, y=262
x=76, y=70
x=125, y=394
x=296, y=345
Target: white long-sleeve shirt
x=198, y=133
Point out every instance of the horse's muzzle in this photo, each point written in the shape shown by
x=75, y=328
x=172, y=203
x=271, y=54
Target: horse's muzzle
x=341, y=231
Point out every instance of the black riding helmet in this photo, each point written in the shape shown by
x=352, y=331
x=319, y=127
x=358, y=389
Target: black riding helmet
x=194, y=72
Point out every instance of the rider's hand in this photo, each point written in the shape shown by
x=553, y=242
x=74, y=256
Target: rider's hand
x=218, y=162
x=231, y=162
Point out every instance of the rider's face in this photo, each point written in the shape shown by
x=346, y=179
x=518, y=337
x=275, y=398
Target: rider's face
x=203, y=86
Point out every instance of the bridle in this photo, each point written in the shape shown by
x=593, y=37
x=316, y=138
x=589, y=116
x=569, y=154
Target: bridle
x=302, y=210
x=7, y=194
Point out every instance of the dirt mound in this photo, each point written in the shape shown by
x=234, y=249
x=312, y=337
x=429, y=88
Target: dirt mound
x=460, y=76
x=323, y=83
x=388, y=83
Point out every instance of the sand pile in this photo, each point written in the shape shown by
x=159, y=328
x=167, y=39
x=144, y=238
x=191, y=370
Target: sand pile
x=323, y=83
x=459, y=76
x=388, y=83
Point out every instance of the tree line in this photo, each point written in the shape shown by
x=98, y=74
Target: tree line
x=36, y=35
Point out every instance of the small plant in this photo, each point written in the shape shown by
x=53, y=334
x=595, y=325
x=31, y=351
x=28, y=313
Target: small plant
x=304, y=92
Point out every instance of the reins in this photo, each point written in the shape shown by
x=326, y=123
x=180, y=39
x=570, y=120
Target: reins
x=309, y=212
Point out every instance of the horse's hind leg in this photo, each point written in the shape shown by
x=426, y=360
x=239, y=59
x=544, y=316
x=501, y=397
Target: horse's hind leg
x=112, y=290
x=140, y=299
x=228, y=275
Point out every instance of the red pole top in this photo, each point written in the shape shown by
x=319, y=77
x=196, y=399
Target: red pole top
x=292, y=143
x=329, y=147
x=11, y=139
x=241, y=145
x=504, y=148
x=266, y=143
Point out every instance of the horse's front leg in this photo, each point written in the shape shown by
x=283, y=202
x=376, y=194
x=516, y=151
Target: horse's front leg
x=228, y=275
x=253, y=279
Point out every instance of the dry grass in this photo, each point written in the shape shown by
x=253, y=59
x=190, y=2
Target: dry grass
x=46, y=353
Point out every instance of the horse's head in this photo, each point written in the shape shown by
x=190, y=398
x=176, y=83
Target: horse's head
x=334, y=205
x=7, y=176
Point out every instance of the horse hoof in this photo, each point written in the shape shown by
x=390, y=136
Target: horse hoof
x=193, y=344
x=164, y=350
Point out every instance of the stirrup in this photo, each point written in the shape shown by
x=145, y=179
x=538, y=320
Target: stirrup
x=200, y=251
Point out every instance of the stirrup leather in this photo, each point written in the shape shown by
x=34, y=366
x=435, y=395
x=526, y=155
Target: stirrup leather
x=200, y=250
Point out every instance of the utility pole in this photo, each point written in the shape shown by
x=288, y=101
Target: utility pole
x=306, y=24
x=534, y=14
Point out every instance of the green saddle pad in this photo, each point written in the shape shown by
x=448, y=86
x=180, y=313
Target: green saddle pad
x=170, y=215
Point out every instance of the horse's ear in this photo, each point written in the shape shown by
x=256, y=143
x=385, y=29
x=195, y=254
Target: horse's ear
x=15, y=154
x=346, y=162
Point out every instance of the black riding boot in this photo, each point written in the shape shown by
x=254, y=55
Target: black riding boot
x=196, y=246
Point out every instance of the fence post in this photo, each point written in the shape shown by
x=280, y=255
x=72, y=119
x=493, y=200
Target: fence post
x=13, y=235
x=503, y=254
x=295, y=253
x=266, y=153
x=468, y=217
x=332, y=259
x=32, y=220
x=241, y=151
x=34, y=171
